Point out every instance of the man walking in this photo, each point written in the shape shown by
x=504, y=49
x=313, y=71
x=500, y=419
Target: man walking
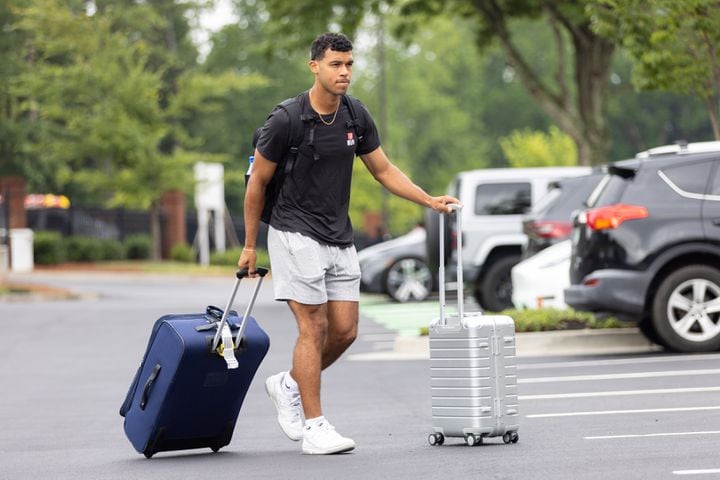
x=314, y=263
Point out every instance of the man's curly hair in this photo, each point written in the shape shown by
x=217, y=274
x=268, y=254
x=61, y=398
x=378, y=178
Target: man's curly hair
x=336, y=42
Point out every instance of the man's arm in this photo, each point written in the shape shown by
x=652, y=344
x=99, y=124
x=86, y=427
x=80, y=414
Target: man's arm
x=398, y=183
x=262, y=173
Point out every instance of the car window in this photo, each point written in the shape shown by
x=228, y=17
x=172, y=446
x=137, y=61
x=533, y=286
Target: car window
x=608, y=191
x=502, y=198
x=574, y=192
x=690, y=178
x=715, y=181
x=547, y=200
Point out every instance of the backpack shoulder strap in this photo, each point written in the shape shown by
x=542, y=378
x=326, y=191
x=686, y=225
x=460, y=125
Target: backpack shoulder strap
x=356, y=122
x=294, y=108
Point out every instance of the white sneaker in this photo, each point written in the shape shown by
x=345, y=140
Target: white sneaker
x=323, y=439
x=289, y=407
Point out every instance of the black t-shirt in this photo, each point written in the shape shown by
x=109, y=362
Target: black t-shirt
x=315, y=197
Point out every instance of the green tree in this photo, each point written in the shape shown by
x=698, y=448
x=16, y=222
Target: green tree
x=574, y=96
x=675, y=45
x=92, y=103
x=15, y=123
x=228, y=128
x=527, y=148
x=639, y=120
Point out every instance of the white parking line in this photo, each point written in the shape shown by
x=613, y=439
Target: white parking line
x=619, y=376
x=618, y=393
x=646, y=435
x=621, y=361
x=621, y=412
x=706, y=471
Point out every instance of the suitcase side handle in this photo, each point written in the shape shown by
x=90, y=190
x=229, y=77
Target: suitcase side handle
x=460, y=284
x=148, y=385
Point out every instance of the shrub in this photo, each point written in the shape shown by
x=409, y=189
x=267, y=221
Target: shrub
x=137, y=247
x=549, y=319
x=111, y=250
x=83, y=249
x=546, y=319
x=48, y=248
x=182, y=252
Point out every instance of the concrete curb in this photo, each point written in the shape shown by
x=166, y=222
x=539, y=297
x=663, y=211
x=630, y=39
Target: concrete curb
x=536, y=344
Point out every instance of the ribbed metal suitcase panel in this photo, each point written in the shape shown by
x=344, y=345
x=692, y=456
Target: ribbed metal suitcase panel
x=462, y=391
x=471, y=362
x=474, y=376
x=474, y=382
x=449, y=353
x=477, y=401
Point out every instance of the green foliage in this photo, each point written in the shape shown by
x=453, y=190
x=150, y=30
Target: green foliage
x=527, y=148
x=182, y=252
x=48, y=248
x=549, y=319
x=554, y=319
x=137, y=247
x=51, y=248
x=111, y=249
x=573, y=96
x=83, y=249
x=231, y=256
x=674, y=44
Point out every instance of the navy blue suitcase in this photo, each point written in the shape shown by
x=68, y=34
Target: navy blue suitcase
x=193, y=378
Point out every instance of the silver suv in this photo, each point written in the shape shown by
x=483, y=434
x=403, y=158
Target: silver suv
x=495, y=201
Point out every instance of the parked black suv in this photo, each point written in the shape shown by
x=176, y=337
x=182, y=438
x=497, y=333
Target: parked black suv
x=648, y=246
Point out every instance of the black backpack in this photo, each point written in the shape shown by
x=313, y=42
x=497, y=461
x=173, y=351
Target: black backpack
x=298, y=120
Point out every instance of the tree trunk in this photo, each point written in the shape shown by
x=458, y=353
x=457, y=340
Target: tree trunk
x=592, y=64
x=581, y=117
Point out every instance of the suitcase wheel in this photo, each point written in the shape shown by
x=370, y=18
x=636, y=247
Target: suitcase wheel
x=473, y=440
x=215, y=449
x=436, y=439
x=511, y=437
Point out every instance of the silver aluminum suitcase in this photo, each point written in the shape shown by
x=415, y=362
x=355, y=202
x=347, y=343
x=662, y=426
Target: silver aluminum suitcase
x=473, y=368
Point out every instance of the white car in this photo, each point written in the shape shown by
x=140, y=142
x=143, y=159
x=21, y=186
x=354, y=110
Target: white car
x=539, y=281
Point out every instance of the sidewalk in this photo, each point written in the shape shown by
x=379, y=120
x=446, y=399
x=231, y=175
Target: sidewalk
x=536, y=344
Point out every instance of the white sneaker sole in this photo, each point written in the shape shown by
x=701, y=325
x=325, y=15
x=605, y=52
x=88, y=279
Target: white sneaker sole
x=342, y=448
x=295, y=437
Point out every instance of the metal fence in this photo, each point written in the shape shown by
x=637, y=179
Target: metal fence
x=119, y=223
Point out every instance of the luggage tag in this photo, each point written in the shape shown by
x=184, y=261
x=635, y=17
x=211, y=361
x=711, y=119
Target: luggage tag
x=227, y=348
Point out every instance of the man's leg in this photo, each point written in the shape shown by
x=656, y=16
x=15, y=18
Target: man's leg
x=341, y=332
x=319, y=437
x=312, y=322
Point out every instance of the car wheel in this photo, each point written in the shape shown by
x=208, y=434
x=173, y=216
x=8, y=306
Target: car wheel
x=686, y=309
x=408, y=279
x=494, y=289
x=648, y=330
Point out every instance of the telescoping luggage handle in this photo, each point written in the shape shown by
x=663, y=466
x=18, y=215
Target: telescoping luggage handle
x=458, y=230
x=223, y=331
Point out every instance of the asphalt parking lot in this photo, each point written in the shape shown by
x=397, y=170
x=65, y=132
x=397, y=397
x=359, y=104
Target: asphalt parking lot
x=65, y=368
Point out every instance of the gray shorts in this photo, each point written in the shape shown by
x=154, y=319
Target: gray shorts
x=309, y=272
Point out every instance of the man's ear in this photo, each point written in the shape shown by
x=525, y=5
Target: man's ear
x=313, y=66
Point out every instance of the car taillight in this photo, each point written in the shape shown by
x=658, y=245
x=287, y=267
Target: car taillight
x=605, y=218
x=548, y=229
